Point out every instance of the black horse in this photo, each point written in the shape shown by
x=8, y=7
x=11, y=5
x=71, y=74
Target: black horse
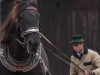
x=21, y=51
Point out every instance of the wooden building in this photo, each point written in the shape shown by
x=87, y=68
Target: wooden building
x=60, y=20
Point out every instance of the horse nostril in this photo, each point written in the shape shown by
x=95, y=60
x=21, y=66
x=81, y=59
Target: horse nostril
x=30, y=43
x=34, y=44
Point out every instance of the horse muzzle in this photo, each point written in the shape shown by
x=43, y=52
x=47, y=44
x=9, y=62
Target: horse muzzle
x=32, y=47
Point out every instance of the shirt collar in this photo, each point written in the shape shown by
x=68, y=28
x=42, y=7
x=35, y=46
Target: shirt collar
x=80, y=54
x=84, y=52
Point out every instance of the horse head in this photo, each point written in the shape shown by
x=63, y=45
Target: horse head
x=28, y=26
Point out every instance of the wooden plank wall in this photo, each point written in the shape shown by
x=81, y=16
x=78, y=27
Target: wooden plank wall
x=6, y=6
x=60, y=20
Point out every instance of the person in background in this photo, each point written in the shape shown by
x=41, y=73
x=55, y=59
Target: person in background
x=88, y=60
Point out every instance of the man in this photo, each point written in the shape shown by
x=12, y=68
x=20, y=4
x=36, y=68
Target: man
x=86, y=59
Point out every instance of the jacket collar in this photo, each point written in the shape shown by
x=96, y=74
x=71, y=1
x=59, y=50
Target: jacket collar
x=85, y=52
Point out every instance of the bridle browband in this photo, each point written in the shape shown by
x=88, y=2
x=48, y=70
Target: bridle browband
x=30, y=30
x=31, y=8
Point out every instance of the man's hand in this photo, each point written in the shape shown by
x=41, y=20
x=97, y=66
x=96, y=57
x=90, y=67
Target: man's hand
x=89, y=73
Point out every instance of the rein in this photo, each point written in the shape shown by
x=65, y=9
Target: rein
x=60, y=52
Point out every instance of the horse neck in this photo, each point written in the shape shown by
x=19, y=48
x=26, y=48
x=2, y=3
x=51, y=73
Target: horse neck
x=16, y=50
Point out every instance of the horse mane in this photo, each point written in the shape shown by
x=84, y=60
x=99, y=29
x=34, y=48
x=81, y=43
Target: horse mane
x=8, y=26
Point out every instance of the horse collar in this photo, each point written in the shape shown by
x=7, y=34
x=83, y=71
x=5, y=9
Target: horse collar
x=18, y=66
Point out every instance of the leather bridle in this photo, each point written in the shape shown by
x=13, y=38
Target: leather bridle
x=27, y=31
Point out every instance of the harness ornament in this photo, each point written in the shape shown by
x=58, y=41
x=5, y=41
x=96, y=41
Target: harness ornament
x=1, y=54
x=17, y=66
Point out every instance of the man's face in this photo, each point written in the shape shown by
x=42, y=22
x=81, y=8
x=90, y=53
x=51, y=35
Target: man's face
x=78, y=47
